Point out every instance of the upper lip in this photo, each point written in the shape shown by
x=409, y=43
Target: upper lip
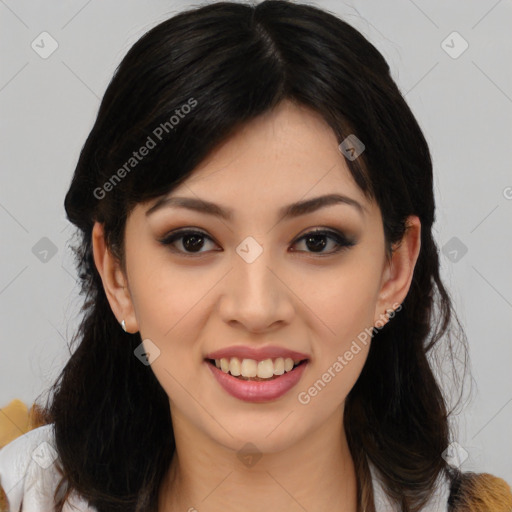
x=258, y=354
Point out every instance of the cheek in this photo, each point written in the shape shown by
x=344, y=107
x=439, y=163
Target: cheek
x=343, y=305
x=165, y=294
x=342, y=301
x=168, y=302
x=168, y=315
x=344, y=312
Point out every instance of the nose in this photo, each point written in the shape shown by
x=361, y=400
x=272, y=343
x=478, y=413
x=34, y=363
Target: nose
x=255, y=295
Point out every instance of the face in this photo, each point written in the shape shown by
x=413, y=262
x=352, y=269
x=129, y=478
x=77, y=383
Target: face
x=264, y=282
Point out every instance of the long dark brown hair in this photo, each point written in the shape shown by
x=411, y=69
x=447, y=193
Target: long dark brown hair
x=230, y=63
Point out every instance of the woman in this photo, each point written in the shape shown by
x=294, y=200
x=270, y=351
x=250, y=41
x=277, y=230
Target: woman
x=228, y=359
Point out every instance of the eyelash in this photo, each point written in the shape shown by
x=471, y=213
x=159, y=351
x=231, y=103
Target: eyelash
x=342, y=241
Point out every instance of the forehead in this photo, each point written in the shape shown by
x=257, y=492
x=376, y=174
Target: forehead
x=284, y=155
x=257, y=176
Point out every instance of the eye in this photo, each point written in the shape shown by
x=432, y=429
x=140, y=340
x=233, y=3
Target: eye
x=316, y=240
x=190, y=242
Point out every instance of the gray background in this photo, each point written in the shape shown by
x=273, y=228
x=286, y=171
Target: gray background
x=463, y=102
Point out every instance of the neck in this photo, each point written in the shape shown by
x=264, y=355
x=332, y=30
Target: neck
x=314, y=474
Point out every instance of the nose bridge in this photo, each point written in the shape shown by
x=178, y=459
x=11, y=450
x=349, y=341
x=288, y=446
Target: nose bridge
x=255, y=295
x=253, y=263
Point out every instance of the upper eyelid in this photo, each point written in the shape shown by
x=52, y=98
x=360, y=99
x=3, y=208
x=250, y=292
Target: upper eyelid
x=319, y=230
x=188, y=230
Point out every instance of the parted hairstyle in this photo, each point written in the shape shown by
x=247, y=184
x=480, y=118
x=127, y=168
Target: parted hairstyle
x=182, y=89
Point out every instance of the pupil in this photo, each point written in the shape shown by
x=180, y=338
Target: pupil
x=194, y=244
x=319, y=245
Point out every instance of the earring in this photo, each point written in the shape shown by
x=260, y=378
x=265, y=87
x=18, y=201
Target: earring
x=123, y=325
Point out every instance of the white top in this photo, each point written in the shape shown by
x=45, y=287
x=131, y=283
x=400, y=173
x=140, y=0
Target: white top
x=29, y=478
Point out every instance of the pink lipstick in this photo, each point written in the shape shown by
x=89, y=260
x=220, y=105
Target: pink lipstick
x=257, y=374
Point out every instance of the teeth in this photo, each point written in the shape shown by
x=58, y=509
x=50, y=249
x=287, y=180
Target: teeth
x=235, y=367
x=250, y=368
x=265, y=369
x=224, y=365
x=279, y=366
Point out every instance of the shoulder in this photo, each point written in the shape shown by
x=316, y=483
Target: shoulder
x=480, y=492
x=29, y=475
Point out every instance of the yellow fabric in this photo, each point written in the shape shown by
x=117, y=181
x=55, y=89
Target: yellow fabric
x=13, y=421
x=4, y=507
x=482, y=492
x=16, y=419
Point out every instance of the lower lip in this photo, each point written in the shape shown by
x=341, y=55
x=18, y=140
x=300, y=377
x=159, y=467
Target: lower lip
x=258, y=391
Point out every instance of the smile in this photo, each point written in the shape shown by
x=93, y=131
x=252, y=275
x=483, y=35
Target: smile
x=251, y=369
x=257, y=381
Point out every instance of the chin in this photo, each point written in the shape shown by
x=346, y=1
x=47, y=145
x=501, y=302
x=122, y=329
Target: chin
x=270, y=435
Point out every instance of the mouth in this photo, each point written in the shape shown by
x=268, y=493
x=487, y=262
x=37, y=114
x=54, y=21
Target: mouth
x=256, y=371
x=257, y=374
x=253, y=380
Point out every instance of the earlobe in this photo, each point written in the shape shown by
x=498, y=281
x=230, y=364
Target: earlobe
x=398, y=274
x=113, y=279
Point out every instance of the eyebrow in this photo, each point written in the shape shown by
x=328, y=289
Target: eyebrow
x=291, y=211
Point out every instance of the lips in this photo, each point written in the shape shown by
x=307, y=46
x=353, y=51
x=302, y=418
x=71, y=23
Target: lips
x=252, y=388
x=258, y=354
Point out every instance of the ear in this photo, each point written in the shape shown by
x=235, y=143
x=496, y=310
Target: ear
x=114, y=280
x=397, y=275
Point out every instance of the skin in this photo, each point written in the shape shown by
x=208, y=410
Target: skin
x=290, y=296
